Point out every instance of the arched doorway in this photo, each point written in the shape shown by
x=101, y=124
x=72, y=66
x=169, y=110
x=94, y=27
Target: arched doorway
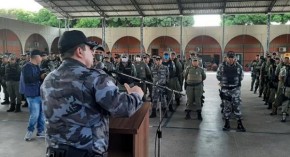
x=206, y=47
x=99, y=41
x=246, y=48
x=127, y=45
x=9, y=42
x=280, y=44
x=54, y=46
x=162, y=44
x=36, y=41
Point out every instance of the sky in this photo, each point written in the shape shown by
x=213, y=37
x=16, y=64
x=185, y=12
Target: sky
x=31, y=5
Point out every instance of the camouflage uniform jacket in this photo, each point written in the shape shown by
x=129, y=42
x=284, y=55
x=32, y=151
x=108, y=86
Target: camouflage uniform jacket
x=160, y=74
x=232, y=77
x=77, y=102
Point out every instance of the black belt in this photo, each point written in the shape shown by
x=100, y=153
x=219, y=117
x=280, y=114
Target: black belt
x=230, y=88
x=69, y=151
x=194, y=84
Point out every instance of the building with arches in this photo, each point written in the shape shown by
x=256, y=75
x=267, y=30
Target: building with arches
x=247, y=41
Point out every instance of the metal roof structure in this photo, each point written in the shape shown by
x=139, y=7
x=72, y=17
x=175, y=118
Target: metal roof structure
x=114, y=8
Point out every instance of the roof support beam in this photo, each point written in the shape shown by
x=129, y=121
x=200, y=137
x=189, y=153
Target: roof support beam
x=62, y=12
x=225, y=5
x=180, y=7
x=97, y=8
x=271, y=6
x=137, y=7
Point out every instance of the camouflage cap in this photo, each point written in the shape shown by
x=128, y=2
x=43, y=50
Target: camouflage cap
x=12, y=56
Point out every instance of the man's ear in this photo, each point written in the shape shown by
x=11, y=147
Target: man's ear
x=79, y=52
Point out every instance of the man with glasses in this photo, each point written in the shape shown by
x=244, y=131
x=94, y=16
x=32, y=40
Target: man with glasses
x=230, y=76
x=78, y=100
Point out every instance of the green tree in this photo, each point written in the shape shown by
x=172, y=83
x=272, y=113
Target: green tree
x=88, y=23
x=255, y=19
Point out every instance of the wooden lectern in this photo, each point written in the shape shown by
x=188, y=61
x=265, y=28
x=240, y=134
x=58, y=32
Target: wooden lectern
x=129, y=136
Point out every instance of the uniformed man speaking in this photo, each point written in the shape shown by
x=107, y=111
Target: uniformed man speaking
x=78, y=100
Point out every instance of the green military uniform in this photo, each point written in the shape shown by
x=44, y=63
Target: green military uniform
x=254, y=73
x=143, y=72
x=279, y=92
x=194, y=77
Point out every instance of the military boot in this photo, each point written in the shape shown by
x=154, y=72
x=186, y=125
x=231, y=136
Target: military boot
x=18, y=108
x=153, y=113
x=284, y=115
x=187, y=116
x=227, y=125
x=177, y=102
x=6, y=102
x=12, y=108
x=199, y=117
x=240, y=127
x=269, y=106
x=171, y=108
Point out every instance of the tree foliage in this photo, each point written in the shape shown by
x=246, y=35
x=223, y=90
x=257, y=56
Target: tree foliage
x=255, y=19
x=45, y=17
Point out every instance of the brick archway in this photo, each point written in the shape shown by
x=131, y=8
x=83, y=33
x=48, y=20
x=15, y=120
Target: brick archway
x=36, y=41
x=246, y=48
x=54, y=45
x=9, y=42
x=128, y=45
x=280, y=41
x=208, y=47
x=162, y=44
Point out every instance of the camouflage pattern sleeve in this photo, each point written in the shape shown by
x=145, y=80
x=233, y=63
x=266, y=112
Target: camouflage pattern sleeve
x=219, y=72
x=134, y=72
x=117, y=104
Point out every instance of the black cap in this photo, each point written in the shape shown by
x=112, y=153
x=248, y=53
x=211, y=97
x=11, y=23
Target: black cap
x=70, y=39
x=35, y=53
x=99, y=47
x=231, y=54
x=44, y=54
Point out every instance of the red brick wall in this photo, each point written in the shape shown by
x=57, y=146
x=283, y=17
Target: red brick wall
x=246, y=45
x=30, y=43
x=280, y=41
x=99, y=41
x=9, y=42
x=207, y=45
x=162, y=43
x=126, y=44
x=54, y=46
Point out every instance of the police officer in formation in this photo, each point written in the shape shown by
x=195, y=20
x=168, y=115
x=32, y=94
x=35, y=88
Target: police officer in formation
x=12, y=77
x=285, y=76
x=173, y=82
x=281, y=73
x=254, y=71
x=194, y=77
x=178, y=76
x=109, y=66
x=126, y=67
x=160, y=75
x=3, y=79
x=142, y=72
x=78, y=124
x=257, y=71
x=230, y=76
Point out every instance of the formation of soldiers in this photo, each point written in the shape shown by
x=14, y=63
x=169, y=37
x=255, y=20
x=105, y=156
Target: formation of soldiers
x=271, y=76
x=10, y=70
x=167, y=70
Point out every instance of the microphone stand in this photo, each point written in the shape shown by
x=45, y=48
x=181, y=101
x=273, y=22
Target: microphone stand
x=159, y=129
